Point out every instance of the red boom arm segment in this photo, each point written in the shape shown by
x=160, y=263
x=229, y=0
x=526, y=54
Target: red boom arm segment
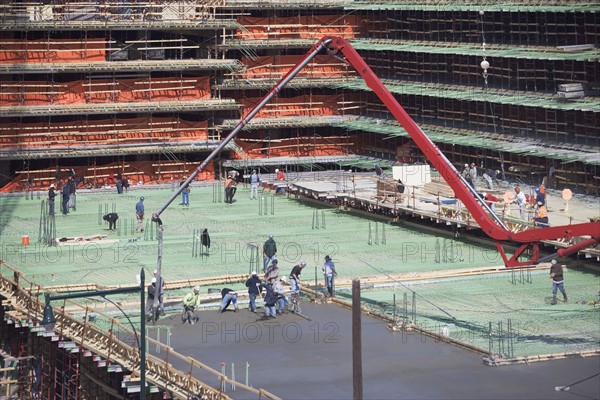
x=494, y=229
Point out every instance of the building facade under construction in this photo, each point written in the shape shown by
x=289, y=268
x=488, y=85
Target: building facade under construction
x=147, y=89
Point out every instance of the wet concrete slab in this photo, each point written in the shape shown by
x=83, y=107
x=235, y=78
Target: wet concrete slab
x=296, y=358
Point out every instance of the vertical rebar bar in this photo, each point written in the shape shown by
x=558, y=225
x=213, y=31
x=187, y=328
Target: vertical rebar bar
x=405, y=311
x=414, y=307
x=490, y=338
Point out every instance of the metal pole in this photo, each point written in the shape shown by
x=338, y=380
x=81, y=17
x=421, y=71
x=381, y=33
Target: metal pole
x=274, y=91
x=142, y=336
x=356, y=342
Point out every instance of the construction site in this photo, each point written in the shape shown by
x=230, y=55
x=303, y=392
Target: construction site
x=357, y=117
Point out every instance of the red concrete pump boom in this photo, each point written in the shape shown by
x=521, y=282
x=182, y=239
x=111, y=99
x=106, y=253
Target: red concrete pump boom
x=489, y=222
x=493, y=227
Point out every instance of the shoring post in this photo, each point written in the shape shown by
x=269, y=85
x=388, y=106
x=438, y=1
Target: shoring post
x=42, y=222
x=246, y=378
x=437, y=257
x=253, y=257
x=323, y=219
x=119, y=226
x=99, y=214
x=369, y=240
x=500, y=339
x=233, y=376
x=444, y=254
x=114, y=207
x=272, y=205
x=383, y=238
x=376, y=232
x=222, y=377
x=316, y=282
x=52, y=229
x=194, y=249
x=265, y=206
x=405, y=311
x=259, y=205
x=510, y=339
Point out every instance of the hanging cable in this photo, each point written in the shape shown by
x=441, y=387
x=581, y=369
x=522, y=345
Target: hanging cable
x=485, y=65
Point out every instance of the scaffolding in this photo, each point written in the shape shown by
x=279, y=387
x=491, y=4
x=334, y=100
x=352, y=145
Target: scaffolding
x=101, y=343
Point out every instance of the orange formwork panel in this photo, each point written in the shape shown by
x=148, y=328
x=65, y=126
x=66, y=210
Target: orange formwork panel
x=104, y=90
x=54, y=50
x=299, y=147
x=301, y=27
x=305, y=105
x=101, y=132
x=274, y=67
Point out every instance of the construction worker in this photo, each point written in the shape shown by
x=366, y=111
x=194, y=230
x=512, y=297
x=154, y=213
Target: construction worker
x=541, y=219
x=521, y=201
x=139, y=214
x=329, y=273
x=190, y=302
x=558, y=283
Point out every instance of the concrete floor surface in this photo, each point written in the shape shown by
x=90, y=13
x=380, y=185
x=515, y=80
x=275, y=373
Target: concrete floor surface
x=295, y=358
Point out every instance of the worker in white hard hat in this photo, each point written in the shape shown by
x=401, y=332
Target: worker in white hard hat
x=190, y=302
x=253, y=283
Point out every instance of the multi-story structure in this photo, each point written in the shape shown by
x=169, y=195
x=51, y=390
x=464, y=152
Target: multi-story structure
x=146, y=89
